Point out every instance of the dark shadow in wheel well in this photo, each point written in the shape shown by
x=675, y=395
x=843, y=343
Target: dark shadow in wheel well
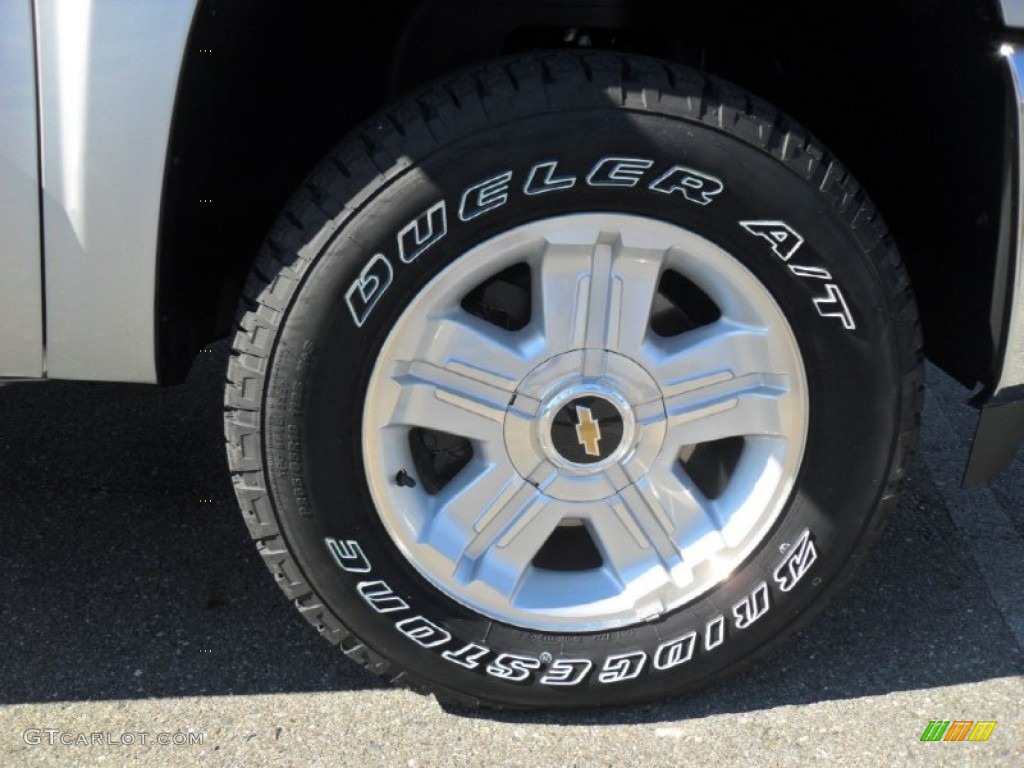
x=911, y=96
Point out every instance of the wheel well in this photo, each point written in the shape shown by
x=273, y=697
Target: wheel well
x=911, y=96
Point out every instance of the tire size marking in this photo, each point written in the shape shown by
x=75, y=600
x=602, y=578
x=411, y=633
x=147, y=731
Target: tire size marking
x=491, y=193
x=797, y=560
x=785, y=242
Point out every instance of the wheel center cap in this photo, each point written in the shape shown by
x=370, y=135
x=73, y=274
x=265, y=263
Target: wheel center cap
x=587, y=430
x=585, y=427
x=592, y=429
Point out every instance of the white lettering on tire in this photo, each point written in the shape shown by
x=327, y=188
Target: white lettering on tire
x=566, y=672
x=467, y=656
x=512, y=667
x=714, y=633
x=784, y=240
x=380, y=597
x=366, y=290
x=423, y=631
x=833, y=304
x=675, y=652
x=752, y=607
x=485, y=196
x=348, y=555
x=815, y=273
x=622, y=666
x=799, y=558
x=696, y=187
x=542, y=179
x=431, y=226
x=618, y=171
x=421, y=233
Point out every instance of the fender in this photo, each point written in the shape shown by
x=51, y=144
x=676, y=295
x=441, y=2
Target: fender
x=1000, y=429
x=108, y=74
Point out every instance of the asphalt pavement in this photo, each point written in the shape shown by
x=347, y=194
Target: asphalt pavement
x=132, y=602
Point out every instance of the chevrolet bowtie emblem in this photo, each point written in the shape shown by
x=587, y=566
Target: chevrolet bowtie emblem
x=588, y=431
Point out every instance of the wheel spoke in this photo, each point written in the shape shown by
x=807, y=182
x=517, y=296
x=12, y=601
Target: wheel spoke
x=480, y=350
x=719, y=381
x=506, y=539
x=723, y=349
x=635, y=538
x=597, y=296
x=635, y=275
x=692, y=518
x=449, y=401
x=468, y=503
x=562, y=290
x=747, y=406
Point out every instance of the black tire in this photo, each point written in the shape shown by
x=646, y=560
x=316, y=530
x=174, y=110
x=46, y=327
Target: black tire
x=301, y=363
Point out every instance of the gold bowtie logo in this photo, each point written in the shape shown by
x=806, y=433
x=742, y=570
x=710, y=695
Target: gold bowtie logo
x=588, y=431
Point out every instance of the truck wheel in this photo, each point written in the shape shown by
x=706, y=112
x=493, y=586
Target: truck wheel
x=573, y=379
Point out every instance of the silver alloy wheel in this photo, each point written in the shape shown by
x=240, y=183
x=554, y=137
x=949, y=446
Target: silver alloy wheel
x=518, y=397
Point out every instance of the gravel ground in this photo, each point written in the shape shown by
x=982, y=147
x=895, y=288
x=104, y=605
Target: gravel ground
x=133, y=602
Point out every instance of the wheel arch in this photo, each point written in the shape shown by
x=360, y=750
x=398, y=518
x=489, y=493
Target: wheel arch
x=252, y=118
